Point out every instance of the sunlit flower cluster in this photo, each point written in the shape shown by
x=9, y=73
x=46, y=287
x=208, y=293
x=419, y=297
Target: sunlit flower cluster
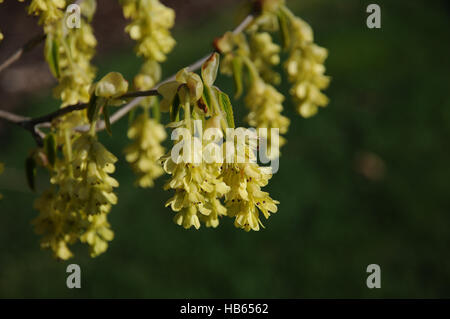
x=305, y=64
x=48, y=11
x=264, y=102
x=200, y=185
x=143, y=154
x=306, y=70
x=204, y=187
x=75, y=208
x=150, y=26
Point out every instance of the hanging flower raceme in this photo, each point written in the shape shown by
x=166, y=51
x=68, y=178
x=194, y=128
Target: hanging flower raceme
x=262, y=99
x=75, y=207
x=212, y=174
x=146, y=132
x=245, y=177
x=146, y=150
x=150, y=26
x=306, y=70
x=48, y=11
x=196, y=183
x=265, y=105
x=92, y=165
x=200, y=184
x=305, y=65
x=69, y=52
x=265, y=56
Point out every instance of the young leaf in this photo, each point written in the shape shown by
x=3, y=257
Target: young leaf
x=210, y=69
x=156, y=112
x=107, y=120
x=92, y=109
x=131, y=116
x=30, y=169
x=51, y=55
x=237, y=76
x=206, y=97
x=175, y=109
x=50, y=148
x=284, y=30
x=225, y=105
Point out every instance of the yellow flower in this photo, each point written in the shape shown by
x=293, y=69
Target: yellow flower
x=74, y=208
x=265, y=105
x=150, y=26
x=146, y=150
x=111, y=86
x=75, y=72
x=306, y=70
x=169, y=90
x=48, y=10
x=265, y=55
x=245, y=200
x=198, y=189
x=97, y=234
x=149, y=76
x=92, y=165
x=58, y=228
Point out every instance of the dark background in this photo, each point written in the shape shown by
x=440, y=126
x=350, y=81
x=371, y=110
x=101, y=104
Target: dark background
x=365, y=181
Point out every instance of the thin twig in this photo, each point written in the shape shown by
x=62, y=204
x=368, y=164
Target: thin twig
x=135, y=102
x=33, y=124
x=28, y=46
x=25, y=48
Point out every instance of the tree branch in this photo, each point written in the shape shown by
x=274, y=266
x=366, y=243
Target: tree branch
x=33, y=124
x=193, y=67
x=25, y=48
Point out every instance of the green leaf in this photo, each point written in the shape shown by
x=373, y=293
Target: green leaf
x=50, y=148
x=30, y=169
x=156, y=112
x=107, y=120
x=237, y=76
x=131, y=116
x=92, y=109
x=51, y=55
x=284, y=30
x=225, y=105
x=175, y=109
x=206, y=97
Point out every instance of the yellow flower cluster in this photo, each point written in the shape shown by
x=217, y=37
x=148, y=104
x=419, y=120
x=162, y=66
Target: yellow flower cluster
x=306, y=70
x=198, y=187
x=150, y=26
x=92, y=165
x=75, y=50
x=265, y=105
x=305, y=65
x=200, y=184
x=48, y=11
x=143, y=154
x=262, y=99
x=76, y=206
x=265, y=55
x=245, y=200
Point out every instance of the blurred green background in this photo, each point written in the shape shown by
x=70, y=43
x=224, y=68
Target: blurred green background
x=365, y=181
